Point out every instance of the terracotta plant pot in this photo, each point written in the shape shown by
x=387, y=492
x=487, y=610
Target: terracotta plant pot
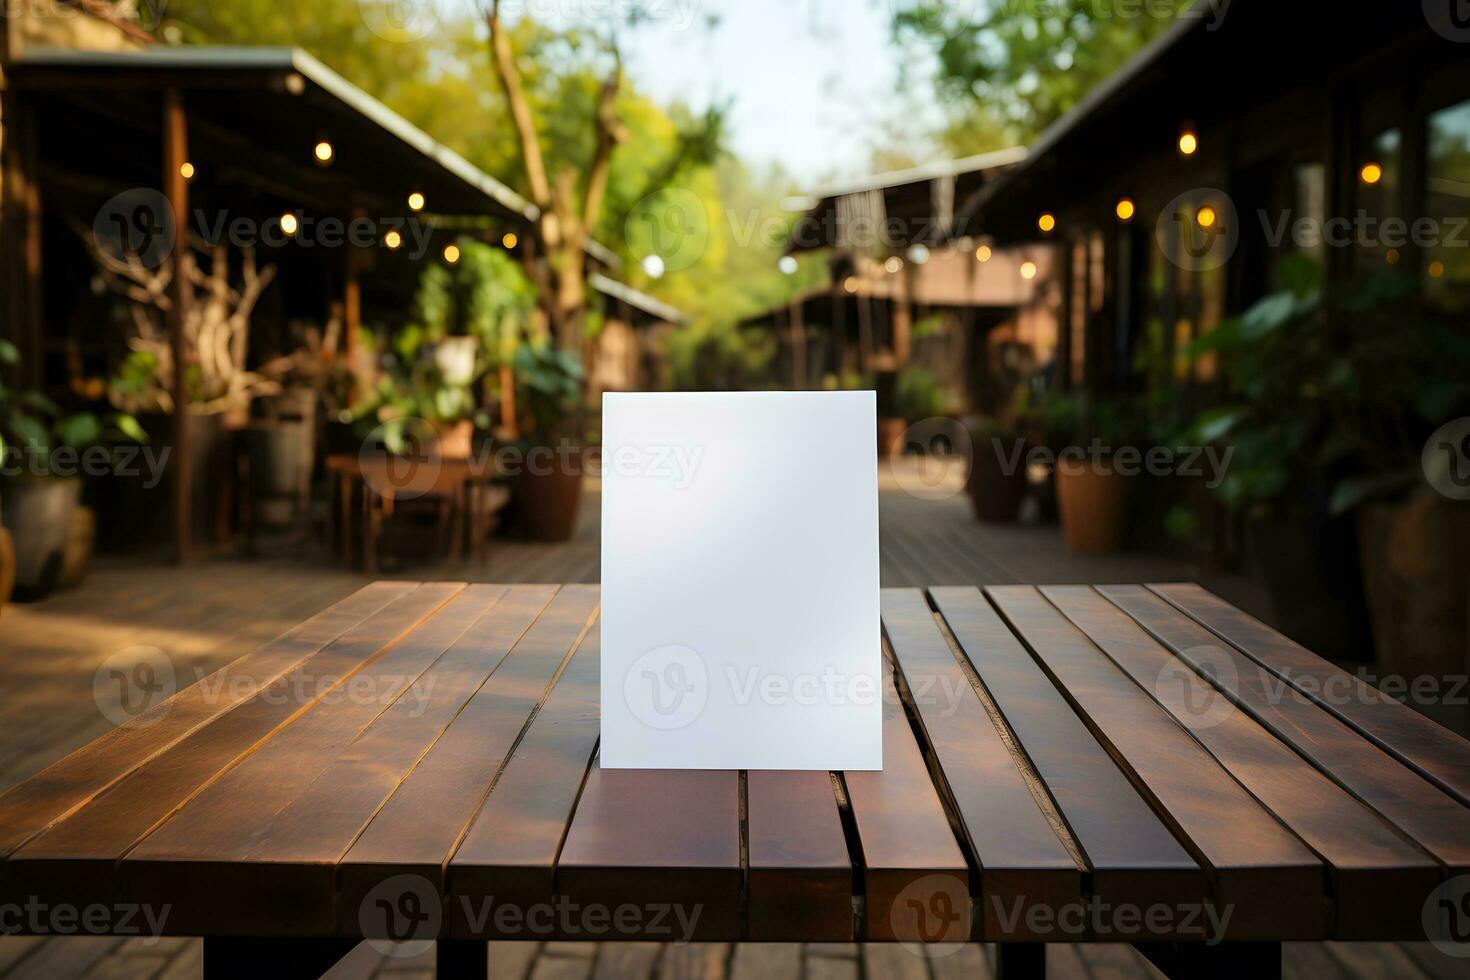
x=996, y=490
x=548, y=502
x=455, y=441
x=1091, y=499
x=890, y=436
x=1416, y=575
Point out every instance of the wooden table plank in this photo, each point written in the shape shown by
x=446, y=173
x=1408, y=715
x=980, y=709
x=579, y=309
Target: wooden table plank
x=1249, y=856
x=199, y=856
x=1379, y=877
x=296, y=849
x=1439, y=823
x=418, y=829
x=74, y=781
x=1019, y=851
x=1439, y=755
x=799, y=870
x=509, y=853
x=665, y=842
x=916, y=879
x=75, y=861
x=1133, y=858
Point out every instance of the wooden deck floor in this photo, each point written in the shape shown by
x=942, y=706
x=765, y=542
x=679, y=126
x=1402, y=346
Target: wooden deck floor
x=209, y=614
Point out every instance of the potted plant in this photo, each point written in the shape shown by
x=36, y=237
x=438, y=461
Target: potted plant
x=41, y=462
x=454, y=358
x=1091, y=493
x=1330, y=412
x=916, y=396
x=997, y=484
x=549, y=395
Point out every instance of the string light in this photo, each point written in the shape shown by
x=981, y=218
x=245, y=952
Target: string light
x=451, y=253
x=1028, y=270
x=1046, y=222
x=1206, y=217
x=1188, y=143
x=1371, y=173
x=787, y=264
x=324, y=152
x=850, y=284
x=982, y=254
x=1436, y=269
x=1125, y=209
x=186, y=170
x=415, y=201
x=289, y=224
x=509, y=240
x=392, y=240
x=892, y=265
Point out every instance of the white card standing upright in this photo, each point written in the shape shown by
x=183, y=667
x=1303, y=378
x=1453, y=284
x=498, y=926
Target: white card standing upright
x=740, y=625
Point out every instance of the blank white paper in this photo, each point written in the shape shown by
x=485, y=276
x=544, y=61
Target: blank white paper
x=740, y=625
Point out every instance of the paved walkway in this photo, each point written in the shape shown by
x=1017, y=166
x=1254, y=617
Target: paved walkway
x=211, y=613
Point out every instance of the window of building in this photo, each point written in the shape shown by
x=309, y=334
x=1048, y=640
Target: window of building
x=1446, y=260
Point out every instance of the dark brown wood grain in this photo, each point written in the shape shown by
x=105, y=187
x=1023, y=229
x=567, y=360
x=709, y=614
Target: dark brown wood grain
x=1017, y=848
x=799, y=872
x=199, y=856
x=663, y=842
x=77, y=779
x=297, y=848
x=509, y=853
x=1436, y=821
x=916, y=879
x=1380, y=879
x=1132, y=856
x=78, y=856
x=1438, y=754
x=418, y=828
x=1263, y=875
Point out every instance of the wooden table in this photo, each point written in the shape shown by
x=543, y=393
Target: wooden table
x=372, y=484
x=419, y=762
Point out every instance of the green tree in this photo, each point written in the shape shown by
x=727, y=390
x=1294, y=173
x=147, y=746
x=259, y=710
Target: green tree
x=1018, y=65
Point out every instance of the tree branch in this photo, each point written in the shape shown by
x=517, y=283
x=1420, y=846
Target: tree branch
x=520, y=109
x=610, y=132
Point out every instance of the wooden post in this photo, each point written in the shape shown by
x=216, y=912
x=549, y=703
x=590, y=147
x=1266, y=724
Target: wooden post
x=22, y=243
x=798, y=346
x=176, y=189
x=351, y=295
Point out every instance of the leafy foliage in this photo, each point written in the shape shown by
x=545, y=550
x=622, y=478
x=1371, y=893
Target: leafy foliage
x=1342, y=397
x=548, y=390
x=1016, y=68
x=34, y=424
